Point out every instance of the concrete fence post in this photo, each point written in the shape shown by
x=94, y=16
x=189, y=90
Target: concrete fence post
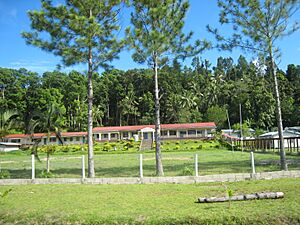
x=32, y=166
x=83, y=166
x=252, y=162
x=141, y=165
x=196, y=165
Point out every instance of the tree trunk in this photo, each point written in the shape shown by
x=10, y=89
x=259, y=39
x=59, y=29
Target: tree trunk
x=159, y=166
x=283, y=164
x=91, y=168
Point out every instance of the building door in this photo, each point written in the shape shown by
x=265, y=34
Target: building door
x=182, y=134
x=145, y=136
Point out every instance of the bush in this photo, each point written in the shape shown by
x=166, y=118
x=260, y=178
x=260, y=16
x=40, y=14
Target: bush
x=200, y=147
x=129, y=144
x=177, y=148
x=177, y=142
x=107, y=147
x=45, y=174
x=187, y=171
x=4, y=174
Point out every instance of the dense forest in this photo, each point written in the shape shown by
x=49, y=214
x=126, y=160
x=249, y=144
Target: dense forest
x=195, y=93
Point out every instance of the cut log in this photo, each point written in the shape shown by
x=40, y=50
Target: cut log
x=262, y=195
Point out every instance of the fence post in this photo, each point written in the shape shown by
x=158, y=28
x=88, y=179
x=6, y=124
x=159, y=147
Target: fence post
x=83, y=166
x=252, y=162
x=141, y=165
x=32, y=166
x=196, y=165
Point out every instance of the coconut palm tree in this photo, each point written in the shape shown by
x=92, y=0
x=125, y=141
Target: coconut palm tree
x=7, y=119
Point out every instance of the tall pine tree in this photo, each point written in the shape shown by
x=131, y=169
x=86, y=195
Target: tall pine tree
x=156, y=36
x=257, y=26
x=80, y=31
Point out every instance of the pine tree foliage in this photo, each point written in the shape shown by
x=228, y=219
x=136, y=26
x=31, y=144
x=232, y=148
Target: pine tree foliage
x=257, y=26
x=79, y=31
x=157, y=36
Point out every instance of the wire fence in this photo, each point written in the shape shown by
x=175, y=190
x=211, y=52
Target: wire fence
x=136, y=165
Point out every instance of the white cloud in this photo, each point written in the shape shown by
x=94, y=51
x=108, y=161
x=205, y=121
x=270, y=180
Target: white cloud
x=13, y=13
x=33, y=65
x=41, y=66
x=8, y=16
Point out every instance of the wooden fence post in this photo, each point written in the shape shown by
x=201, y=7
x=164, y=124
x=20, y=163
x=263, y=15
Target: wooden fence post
x=196, y=165
x=141, y=165
x=252, y=162
x=83, y=166
x=32, y=166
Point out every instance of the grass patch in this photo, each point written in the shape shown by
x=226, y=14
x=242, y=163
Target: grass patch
x=148, y=204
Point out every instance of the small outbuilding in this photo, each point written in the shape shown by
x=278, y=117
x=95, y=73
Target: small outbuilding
x=9, y=146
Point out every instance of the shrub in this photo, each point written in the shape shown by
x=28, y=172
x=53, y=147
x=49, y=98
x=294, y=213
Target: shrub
x=107, y=147
x=177, y=142
x=187, y=171
x=177, y=148
x=200, y=147
x=45, y=174
x=129, y=144
x=4, y=174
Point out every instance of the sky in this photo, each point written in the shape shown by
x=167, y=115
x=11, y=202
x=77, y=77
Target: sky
x=14, y=53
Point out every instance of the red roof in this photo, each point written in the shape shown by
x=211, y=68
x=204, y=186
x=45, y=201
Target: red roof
x=41, y=135
x=121, y=128
x=163, y=127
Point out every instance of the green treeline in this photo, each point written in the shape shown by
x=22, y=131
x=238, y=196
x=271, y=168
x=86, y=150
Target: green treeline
x=196, y=93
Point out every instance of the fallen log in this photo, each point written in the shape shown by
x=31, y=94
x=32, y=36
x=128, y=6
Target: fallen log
x=262, y=195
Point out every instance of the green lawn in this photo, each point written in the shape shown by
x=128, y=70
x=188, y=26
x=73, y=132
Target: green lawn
x=212, y=160
x=148, y=204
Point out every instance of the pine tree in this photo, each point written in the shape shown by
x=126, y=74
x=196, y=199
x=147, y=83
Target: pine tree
x=79, y=31
x=156, y=36
x=257, y=26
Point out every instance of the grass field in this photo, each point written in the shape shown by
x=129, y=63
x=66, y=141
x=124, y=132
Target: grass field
x=213, y=159
x=148, y=204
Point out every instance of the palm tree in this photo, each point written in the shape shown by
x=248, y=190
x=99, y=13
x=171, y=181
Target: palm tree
x=50, y=122
x=7, y=119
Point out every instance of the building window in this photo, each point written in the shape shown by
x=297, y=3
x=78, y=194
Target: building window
x=172, y=132
x=65, y=139
x=15, y=140
x=113, y=135
x=191, y=132
x=125, y=134
x=53, y=139
x=164, y=133
x=105, y=136
x=200, y=132
x=182, y=133
x=71, y=139
x=77, y=138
